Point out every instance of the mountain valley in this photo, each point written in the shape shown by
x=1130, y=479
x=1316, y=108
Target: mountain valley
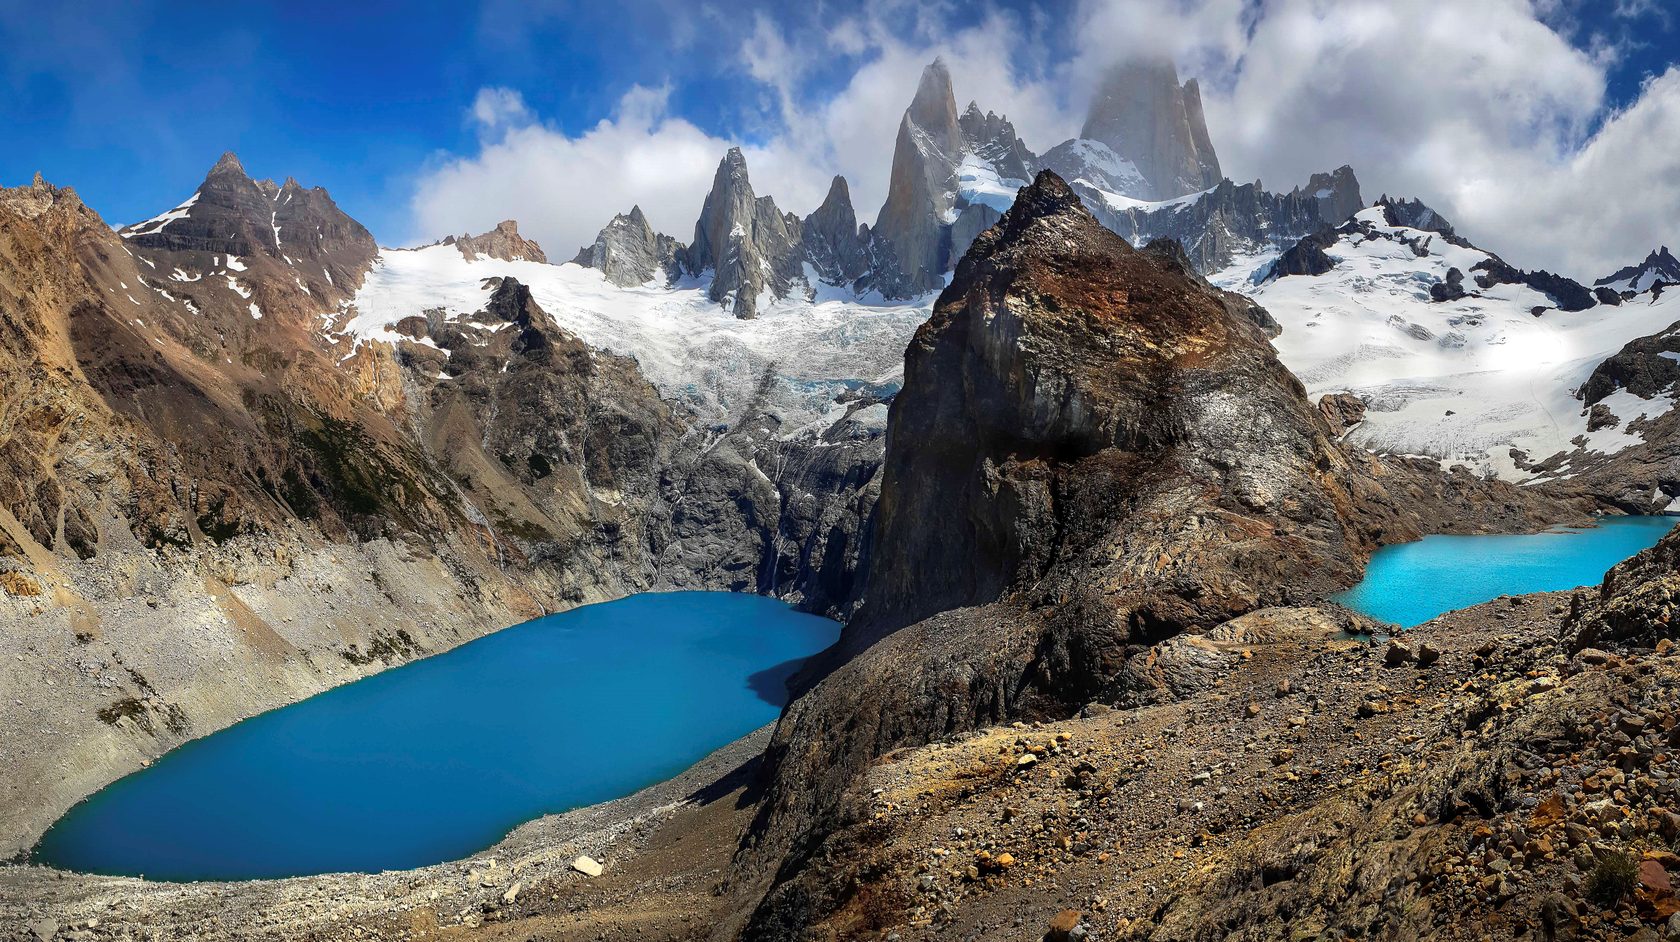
x=1076, y=446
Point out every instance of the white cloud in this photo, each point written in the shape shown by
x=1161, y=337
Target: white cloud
x=498, y=108
x=1480, y=109
x=563, y=189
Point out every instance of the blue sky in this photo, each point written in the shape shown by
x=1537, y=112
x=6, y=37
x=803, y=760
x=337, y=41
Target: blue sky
x=131, y=102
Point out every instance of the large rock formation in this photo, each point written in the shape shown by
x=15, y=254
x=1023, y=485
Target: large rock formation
x=1093, y=451
x=1145, y=116
x=629, y=252
x=750, y=247
x=503, y=242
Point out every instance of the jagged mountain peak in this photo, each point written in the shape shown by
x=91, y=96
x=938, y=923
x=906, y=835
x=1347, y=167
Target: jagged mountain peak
x=1659, y=267
x=228, y=163
x=935, y=106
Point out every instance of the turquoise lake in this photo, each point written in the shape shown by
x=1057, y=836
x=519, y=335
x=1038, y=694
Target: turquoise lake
x=439, y=759
x=1411, y=583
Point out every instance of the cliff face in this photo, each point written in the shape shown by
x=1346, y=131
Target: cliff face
x=1148, y=118
x=921, y=190
x=1093, y=451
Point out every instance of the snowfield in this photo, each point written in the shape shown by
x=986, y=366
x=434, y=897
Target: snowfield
x=799, y=353
x=1462, y=381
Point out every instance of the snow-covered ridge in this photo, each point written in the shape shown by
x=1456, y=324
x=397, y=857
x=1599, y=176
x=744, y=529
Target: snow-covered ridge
x=156, y=223
x=1464, y=381
x=693, y=349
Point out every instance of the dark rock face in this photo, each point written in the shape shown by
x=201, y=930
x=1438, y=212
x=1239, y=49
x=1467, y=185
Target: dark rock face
x=1147, y=117
x=1568, y=294
x=1413, y=214
x=1306, y=257
x=748, y=244
x=1640, y=367
x=1337, y=193
x=1093, y=451
x=503, y=242
x=233, y=215
x=1452, y=289
x=628, y=252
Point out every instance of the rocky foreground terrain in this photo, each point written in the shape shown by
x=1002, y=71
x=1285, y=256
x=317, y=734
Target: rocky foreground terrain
x=1502, y=772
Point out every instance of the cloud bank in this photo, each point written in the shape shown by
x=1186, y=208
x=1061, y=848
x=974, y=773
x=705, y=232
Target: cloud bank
x=1486, y=111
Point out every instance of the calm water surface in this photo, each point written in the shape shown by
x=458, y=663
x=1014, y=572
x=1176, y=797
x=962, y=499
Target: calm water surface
x=1411, y=583
x=439, y=759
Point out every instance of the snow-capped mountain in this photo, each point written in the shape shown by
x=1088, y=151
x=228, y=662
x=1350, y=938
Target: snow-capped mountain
x=1455, y=354
x=1660, y=267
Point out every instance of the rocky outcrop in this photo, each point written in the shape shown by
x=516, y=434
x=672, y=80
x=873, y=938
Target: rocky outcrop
x=629, y=252
x=1646, y=367
x=747, y=244
x=1093, y=451
x=1146, y=117
x=503, y=242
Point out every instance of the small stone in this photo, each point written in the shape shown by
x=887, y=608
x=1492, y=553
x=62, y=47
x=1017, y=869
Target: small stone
x=1427, y=654
x=44, y=929
x=1397, y=653
x=1062, y=926
x=512, y=894
x=587, y=865
x=1253, y=709
x=1025, y=760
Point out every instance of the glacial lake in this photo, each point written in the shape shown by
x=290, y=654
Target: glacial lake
x=439, y=759
x=1411, y=583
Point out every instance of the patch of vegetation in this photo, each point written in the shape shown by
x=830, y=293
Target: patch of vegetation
x=1612, y=878
x=126, y=708
x=354, y=476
